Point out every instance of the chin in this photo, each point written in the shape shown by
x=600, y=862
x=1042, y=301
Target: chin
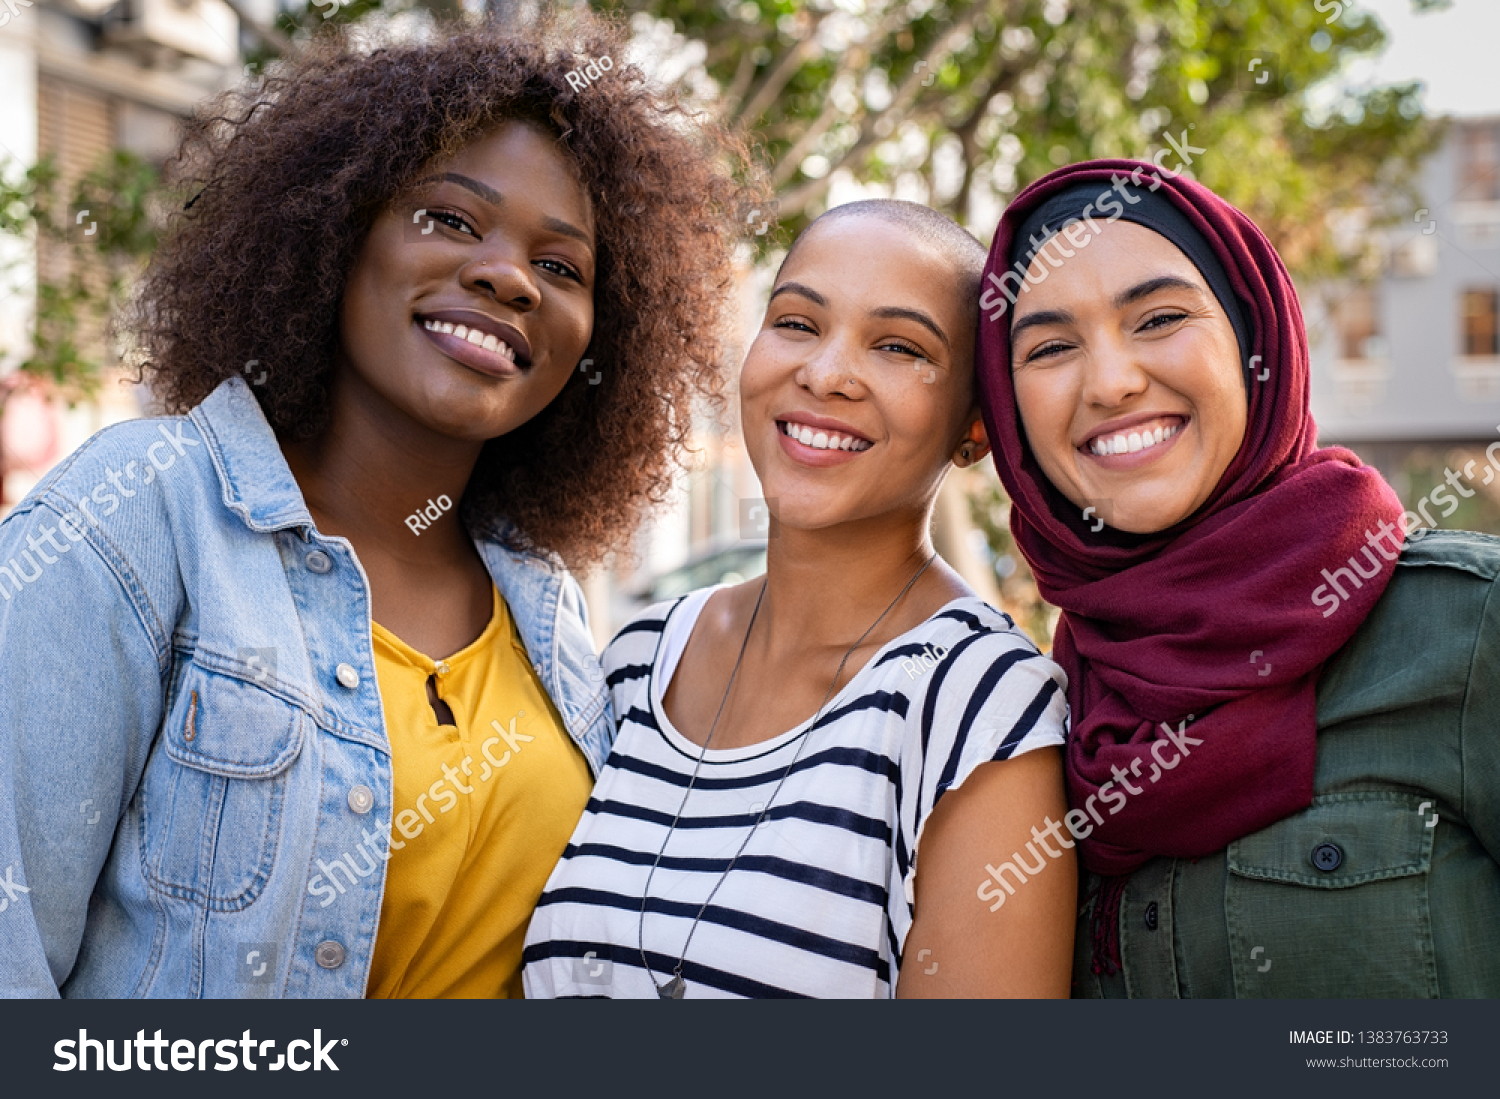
x=1147, y=520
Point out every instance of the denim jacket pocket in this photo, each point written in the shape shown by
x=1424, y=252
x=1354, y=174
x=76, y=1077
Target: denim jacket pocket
x=211, y=796
x=1333, y=901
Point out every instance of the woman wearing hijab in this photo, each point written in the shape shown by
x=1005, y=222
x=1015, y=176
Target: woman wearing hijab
x=1285, y=750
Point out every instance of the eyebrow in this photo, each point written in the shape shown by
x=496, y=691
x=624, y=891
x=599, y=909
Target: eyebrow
x=797, y=288
x=495, y=198
x=890, y=312
x=887, y=312
x=1120, y=301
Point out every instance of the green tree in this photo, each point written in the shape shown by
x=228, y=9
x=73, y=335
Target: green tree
x=961, y=103
x=964, y=102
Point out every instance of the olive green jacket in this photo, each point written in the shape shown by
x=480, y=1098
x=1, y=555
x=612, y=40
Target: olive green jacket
x=1389, y=883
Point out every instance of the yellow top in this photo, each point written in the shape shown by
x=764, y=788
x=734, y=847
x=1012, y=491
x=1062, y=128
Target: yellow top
x=483, y=810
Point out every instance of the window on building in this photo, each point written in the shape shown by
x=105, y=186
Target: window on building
x=1479, y=163
x=1358, y=319
x=1481, y=321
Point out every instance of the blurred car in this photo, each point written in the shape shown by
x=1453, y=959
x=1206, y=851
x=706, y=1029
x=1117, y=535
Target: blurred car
x=727, y=564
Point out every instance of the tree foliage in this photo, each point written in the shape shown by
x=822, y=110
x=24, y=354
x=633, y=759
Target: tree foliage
x=961, y=103
x=88, y=240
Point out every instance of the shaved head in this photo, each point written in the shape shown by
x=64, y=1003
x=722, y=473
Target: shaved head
x=956, y=244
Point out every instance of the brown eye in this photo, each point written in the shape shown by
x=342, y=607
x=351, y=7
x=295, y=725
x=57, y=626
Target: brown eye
x=1046, y=350
x=1161, y=320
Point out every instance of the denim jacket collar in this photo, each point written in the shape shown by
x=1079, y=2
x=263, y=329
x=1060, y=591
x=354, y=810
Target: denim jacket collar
x=257, y=482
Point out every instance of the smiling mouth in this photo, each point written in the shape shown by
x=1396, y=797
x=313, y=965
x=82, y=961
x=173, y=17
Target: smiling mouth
x=483, y=340
x=819, y=439
x=1138, y=438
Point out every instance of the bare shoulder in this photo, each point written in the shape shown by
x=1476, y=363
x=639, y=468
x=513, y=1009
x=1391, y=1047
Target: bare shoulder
x=728, y=609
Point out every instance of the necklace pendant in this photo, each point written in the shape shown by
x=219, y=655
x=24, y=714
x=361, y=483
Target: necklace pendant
x=673, y=989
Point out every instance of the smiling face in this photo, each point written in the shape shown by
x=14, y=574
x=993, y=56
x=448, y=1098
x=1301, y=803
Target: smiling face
x=469, y=318
x=1128, y=379
x=858, y=391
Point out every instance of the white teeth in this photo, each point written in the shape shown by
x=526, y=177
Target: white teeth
x=824, y=440
x=1105, y=445
x=475, y=336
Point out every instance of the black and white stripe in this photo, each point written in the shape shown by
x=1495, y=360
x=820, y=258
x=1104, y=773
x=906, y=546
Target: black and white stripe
x=821, y=901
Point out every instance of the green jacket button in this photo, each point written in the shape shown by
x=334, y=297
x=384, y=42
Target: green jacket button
x=1327, y=856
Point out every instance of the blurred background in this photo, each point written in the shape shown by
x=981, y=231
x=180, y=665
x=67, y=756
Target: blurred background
x=1363, y=137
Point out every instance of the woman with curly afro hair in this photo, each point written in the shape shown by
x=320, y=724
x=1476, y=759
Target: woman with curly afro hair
x=429, y=331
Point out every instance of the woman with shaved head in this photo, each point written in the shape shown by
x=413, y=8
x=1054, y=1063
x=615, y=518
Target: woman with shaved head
x=814, y=766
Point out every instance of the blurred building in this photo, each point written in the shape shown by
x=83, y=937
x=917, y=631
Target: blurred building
x=1406, y=367
x=80, y=78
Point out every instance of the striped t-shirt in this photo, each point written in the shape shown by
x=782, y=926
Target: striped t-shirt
x=822, y=899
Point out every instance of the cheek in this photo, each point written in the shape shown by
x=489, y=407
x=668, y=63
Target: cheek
x=761, y=366
x=375, y=285
x=1222, y=403
x=1046, y=409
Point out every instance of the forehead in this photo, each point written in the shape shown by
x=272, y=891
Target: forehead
x=1120, y=255
x=869, y=260
x=521, y=156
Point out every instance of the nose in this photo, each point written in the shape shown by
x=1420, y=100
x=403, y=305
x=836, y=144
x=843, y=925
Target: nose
x=502, y=270
x=1112, y=374
x=829, y=368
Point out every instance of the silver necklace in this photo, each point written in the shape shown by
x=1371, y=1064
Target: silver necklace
x=676, y=988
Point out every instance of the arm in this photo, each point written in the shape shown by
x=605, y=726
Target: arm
x=1481, y=731
x=1024, y=947
x=80, y=699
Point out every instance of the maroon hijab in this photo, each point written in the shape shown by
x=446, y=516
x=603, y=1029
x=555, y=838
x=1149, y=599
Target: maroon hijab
x=1211, y=622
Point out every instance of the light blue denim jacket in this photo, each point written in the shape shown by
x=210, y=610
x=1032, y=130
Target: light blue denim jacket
x=191, y=732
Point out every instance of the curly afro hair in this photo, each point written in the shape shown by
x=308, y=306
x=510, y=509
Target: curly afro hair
x=290, y=174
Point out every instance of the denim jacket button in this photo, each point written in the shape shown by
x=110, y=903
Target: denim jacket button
x=1151, y=917
x=318, y=561
x=330, y=954
x=347, y=676
x=1327, y=856
x=361, y=800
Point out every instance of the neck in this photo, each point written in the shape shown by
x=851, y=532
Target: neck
x=825, y=587
x=374, y=468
